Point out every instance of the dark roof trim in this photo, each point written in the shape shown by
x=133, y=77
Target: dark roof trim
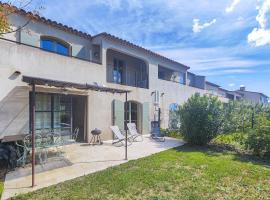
x=194, y=74
x=223, y=89
x=240, y=91
x=127, y=43
x=46, y=21
x=213, y=84
x=64, y=84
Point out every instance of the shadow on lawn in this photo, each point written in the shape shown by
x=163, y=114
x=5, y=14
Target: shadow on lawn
x=213, y=150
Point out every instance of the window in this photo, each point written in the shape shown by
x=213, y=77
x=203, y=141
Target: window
x=182, y=78
x=118, y=68
x=131, y=114
x=53, y=112
x=54, y=45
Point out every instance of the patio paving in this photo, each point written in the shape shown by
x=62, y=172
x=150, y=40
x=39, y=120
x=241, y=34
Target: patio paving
x=80, y=159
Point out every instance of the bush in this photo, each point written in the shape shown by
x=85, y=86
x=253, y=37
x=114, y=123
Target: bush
x=235, y=141
x=237, y=116
x=172, y=133
x=258, y=141
x=201, y=119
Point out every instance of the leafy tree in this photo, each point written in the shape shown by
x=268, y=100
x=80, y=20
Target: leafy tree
x=7, y=9
x=4, y=25
x=201, y=119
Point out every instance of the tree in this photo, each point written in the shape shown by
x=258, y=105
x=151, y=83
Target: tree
x=4, y=25
x=201, y=119
x=7, y=9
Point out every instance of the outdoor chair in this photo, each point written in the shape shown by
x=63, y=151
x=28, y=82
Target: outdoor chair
x=27, y=148
x=73, y=136
x=53, y=140
x=137, y=137
x=157, y=135
x=120, y=138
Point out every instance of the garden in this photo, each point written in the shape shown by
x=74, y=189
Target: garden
x=236, y=125
x=226, y=157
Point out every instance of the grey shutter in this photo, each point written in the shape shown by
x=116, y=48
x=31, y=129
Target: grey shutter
x=29, y=38
x=146, y=118
x=118, y=114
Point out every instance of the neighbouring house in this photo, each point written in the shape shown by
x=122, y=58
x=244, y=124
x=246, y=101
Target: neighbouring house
x=253, y=97
x=233, y=95
x=79, y=77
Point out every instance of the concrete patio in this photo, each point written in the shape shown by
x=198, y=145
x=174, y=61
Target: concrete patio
x=80, y=159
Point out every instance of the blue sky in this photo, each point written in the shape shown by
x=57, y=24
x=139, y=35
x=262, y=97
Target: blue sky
x=226, y=40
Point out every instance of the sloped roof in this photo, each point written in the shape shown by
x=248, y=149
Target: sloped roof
x=240, y=91
x=83, y=34
x=46, y=21
x=129, y=44
x=213, y=84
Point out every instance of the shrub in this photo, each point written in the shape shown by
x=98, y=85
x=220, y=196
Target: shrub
x=237, y=116
x=258, y=141
x=201, y=119
x=172, y=133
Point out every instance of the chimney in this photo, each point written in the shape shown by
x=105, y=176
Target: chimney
x=242, y=88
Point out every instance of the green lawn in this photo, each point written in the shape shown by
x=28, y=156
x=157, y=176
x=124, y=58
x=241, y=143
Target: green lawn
x=1, y=188
x=2, y=177
x=180, y=173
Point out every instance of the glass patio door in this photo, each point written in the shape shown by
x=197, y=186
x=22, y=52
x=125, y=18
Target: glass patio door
x=131, y=115
x=54, y=113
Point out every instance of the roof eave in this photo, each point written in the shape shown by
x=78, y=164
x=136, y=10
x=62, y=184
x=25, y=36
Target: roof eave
x=125, y=42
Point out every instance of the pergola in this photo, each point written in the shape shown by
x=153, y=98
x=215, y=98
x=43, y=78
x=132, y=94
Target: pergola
x=35, y=81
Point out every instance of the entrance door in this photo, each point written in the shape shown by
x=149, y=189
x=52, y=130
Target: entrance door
x=79, y=117
x=132, y=114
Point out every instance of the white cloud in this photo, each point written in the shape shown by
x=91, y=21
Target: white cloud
x=261, y=36
x=232, y=6
x=197, y=27
x=231, y=84
x=202, y=60
x=227, y=72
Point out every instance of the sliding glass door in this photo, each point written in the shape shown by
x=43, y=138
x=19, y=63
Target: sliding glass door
x=54, y=113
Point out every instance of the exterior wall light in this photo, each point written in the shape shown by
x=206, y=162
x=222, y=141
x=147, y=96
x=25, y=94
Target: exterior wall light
x=17, y=73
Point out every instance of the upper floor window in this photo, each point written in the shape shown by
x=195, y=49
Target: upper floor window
x=182, y=78
x=118, y=68
x=55, y=45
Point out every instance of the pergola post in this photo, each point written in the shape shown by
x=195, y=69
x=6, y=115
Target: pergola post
x=125, y=124
x=33, y=110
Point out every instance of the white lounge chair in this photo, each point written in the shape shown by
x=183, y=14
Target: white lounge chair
x=137, y=137
x=120, y=138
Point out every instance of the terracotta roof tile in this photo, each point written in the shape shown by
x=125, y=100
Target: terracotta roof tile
x=127, y=43
x=47, y=21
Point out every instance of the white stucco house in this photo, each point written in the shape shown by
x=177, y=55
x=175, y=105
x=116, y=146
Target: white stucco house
x=49, y=51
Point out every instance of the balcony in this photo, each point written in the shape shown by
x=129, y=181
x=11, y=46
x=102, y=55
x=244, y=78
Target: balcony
x=171, y=75
x=127, y=70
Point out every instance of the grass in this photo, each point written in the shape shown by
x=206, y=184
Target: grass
x=234, y=139
x=2, y=176
x=1, y=188
x=181, y=173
